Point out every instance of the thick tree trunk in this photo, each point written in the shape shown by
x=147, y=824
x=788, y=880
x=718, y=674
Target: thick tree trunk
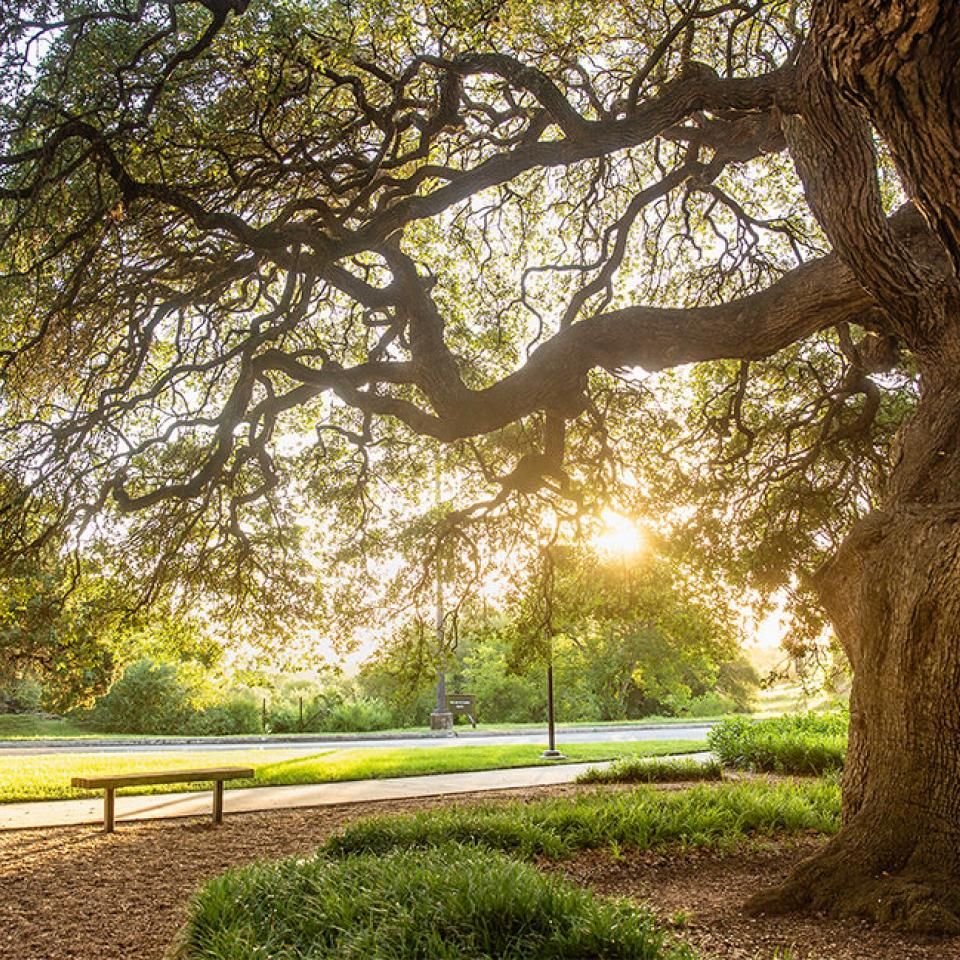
x=893, y=593
x=893, y=590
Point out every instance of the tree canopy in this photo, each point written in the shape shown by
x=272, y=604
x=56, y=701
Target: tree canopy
x=290, y=243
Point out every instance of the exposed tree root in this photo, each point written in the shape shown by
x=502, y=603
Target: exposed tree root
x=837, y=883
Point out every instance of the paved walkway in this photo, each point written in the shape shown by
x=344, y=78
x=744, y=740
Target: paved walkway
x=68, y=813
x=62, y=813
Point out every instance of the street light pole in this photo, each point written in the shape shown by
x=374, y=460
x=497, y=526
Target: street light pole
x=440, y=718
x=551, y=753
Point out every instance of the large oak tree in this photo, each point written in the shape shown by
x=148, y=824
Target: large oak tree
x=224, y=219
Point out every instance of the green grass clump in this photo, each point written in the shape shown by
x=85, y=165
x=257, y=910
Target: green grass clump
x=452, y=883
x=647, y=770
x=705, y=815
x=804, y=743
x=448, y=903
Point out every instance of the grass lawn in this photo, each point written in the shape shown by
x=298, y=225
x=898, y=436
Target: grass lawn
x=47, y=777
x=28, y=726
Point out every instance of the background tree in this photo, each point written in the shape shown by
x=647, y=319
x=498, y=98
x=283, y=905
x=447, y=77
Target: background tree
x=626, y=642
x=56, y=632
x=248, y=257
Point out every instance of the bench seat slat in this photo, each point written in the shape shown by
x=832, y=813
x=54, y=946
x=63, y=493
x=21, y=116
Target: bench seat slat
x=166, y=776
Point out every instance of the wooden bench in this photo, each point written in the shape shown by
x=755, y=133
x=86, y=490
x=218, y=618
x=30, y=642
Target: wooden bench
x=110, y=785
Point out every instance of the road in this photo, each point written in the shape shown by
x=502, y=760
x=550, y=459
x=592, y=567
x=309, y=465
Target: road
x=672, y=731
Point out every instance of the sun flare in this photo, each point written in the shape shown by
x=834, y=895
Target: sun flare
x=619, y=536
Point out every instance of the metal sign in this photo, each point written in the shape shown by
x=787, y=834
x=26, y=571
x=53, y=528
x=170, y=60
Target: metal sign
x=464, y=705
x=461, y=702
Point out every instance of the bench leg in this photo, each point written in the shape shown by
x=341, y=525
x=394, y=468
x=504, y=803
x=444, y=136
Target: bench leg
x=218, y=802
x=108, y=810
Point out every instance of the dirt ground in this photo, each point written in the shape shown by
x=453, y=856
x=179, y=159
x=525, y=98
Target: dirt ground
x=78, y=894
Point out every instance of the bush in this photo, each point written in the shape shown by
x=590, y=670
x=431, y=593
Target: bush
x=237, y=713
x=148, y=698
x=283, y=718
x=804, y=743
x=22, y=695
x=447, y=903
x=652, y=770
x=329, y=712
x=364, y=713
x=155, y=698
x=711, y=705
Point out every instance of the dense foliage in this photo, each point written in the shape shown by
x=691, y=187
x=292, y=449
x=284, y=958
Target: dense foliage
x=158, y=698
x=217, y=350
x=806, y=744
x=627, y=638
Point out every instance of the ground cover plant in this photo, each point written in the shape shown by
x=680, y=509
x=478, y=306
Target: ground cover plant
x=644, y=770
x=803, y=744
x=47, y=777
x=453, y=882
x=446, y=903
x=704, y=815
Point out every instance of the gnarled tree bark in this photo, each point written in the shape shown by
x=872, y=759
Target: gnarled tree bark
x=893, y=589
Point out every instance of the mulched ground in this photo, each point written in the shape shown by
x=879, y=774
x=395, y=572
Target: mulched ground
x=77, y=894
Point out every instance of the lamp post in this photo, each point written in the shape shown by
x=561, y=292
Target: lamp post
x=551, y=753
x=440, y=717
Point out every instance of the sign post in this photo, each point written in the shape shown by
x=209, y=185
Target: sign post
x=463, y=705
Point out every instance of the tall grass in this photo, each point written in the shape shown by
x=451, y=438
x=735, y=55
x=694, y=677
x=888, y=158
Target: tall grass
x=449, y=903
x=805, y=743
x=651, y=770
x=701, y=816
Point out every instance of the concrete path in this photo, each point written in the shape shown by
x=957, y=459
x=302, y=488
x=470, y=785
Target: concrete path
x=63, y=813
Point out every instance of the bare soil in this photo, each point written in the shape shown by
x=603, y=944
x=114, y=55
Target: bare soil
x=699, y=894
x=78, y=894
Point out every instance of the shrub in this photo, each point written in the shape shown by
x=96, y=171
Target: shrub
x=364, y=713
x=711, y=705
x=21, y=695
x=160, y=698
x=803, y=743
x=652, y=770
x=446, y=904
x=237, y=713
x=283, y=717
x=148, y=698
